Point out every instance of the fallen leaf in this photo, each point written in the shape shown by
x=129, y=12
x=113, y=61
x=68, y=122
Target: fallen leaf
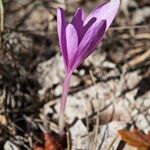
x=50, y=143
x=136, y=139
x=38, y=148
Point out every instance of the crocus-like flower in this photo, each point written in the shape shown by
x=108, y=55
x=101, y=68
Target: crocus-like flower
x=79, y=38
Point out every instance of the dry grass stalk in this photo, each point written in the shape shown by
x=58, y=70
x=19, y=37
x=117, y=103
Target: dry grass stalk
x=1, y=16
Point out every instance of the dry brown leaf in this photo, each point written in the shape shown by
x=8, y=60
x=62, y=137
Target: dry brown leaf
x=136, y=138
x=50, y=143
x=38, y=148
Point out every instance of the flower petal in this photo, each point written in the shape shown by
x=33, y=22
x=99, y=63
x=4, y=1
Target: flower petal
x=89, y=42
x=71, y=41
x=86, y=27
x=106, y=11
x=77, y=20
x=61, y=26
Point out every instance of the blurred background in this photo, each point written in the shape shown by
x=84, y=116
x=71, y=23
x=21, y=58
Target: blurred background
x=109, y=91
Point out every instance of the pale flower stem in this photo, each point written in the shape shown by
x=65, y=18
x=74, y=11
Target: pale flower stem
x=63, y=103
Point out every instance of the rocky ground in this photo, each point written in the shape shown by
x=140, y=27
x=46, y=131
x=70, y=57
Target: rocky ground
x=109, y=91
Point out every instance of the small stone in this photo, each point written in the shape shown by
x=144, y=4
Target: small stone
x=108, y=64
x=79, y=129
x=82, y=72
x=58, y=90
x=48, y=110
x=141, y=122
x=10, y=146
x=132, y=79
x=97, y=58
x=75, y=81
x=48, y=75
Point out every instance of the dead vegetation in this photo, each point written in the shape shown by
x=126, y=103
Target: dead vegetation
x=109, y=91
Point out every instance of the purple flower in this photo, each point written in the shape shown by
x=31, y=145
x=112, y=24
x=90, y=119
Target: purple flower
x=79, y=38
